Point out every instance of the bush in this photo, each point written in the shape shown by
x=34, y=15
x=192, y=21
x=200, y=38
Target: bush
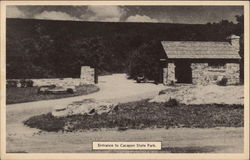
x=145, y=61
x=70, y=91
x=223, y=82
x=23, y=83
x=46, y=122
x=29, y=83
x=171, y=102
x=26, y=83
x=11, y=83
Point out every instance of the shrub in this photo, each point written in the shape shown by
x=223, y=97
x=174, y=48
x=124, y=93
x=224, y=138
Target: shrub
x=23, y=83
x=46, y=122
x=29, y=83
x=11, y=83
x=222, y=82
x=26, y=83
x=171, y=102
x=70, y=91
x=145, y=61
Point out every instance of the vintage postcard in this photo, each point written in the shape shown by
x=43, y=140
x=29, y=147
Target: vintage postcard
x=124, y=80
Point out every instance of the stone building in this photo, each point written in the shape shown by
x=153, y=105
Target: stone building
x=200, y=62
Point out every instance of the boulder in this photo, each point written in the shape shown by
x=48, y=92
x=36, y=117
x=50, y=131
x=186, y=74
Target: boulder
x=84, y=107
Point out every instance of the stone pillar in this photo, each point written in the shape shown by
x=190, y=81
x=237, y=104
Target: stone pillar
x=171, y=73
x=165, y=76
x=199, y=75
x=233, y=73
x=87, y=75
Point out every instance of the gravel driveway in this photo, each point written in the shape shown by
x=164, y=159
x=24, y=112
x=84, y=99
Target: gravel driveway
x=118, y=89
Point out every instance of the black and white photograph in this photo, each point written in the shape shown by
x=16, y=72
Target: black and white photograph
x=108, y=79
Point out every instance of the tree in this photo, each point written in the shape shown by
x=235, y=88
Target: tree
x=146, y=60
x=89, y=52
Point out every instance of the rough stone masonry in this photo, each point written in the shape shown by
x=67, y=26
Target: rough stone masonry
x=204, y=62
x=87, y=76
x=204, y=74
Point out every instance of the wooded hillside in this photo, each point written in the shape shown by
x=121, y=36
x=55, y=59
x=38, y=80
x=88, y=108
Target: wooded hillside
x=48, y=48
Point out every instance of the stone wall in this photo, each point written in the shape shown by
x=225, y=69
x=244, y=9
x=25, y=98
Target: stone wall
x=57, y=81
x=87, y=76
x=233, y=73
x=204, y=74
x=198, y=73
x=215, y=74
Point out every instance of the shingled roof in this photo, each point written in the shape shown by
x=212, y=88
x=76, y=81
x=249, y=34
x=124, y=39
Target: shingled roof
x=199, y=50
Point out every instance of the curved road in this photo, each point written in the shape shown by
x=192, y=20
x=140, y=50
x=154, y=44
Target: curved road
x=115, y=88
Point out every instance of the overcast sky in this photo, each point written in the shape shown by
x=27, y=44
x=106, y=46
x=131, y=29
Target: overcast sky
x=156, y=14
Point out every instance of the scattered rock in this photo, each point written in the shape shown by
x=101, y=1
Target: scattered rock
x=162, y=92
x=86, y=106
x=195, y=94
x=168, y=90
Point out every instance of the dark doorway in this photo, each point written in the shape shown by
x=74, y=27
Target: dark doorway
x=183, y=72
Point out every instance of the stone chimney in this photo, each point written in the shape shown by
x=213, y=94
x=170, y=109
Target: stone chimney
x=235, y=41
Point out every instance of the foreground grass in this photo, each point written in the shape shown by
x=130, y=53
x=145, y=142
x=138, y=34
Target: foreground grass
x=19, y=95
x=142, y=114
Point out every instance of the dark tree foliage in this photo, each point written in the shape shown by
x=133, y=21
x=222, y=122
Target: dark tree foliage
x=145, y=60
x=46, y=48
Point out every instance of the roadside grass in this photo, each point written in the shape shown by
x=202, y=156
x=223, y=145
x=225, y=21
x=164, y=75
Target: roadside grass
x=29, y=94
x=142, y=114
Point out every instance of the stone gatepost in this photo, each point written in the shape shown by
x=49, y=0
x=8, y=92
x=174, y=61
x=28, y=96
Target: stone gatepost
x=165, y=76
x=233, y=73
x=171, y=73
x=87, y=75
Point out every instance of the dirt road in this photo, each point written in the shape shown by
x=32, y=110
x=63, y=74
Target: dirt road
x=114, y=88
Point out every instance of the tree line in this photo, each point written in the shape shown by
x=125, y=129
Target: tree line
x=57, y=49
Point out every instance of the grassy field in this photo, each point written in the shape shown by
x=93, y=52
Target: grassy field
x=142, y=114
x=19, y=95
